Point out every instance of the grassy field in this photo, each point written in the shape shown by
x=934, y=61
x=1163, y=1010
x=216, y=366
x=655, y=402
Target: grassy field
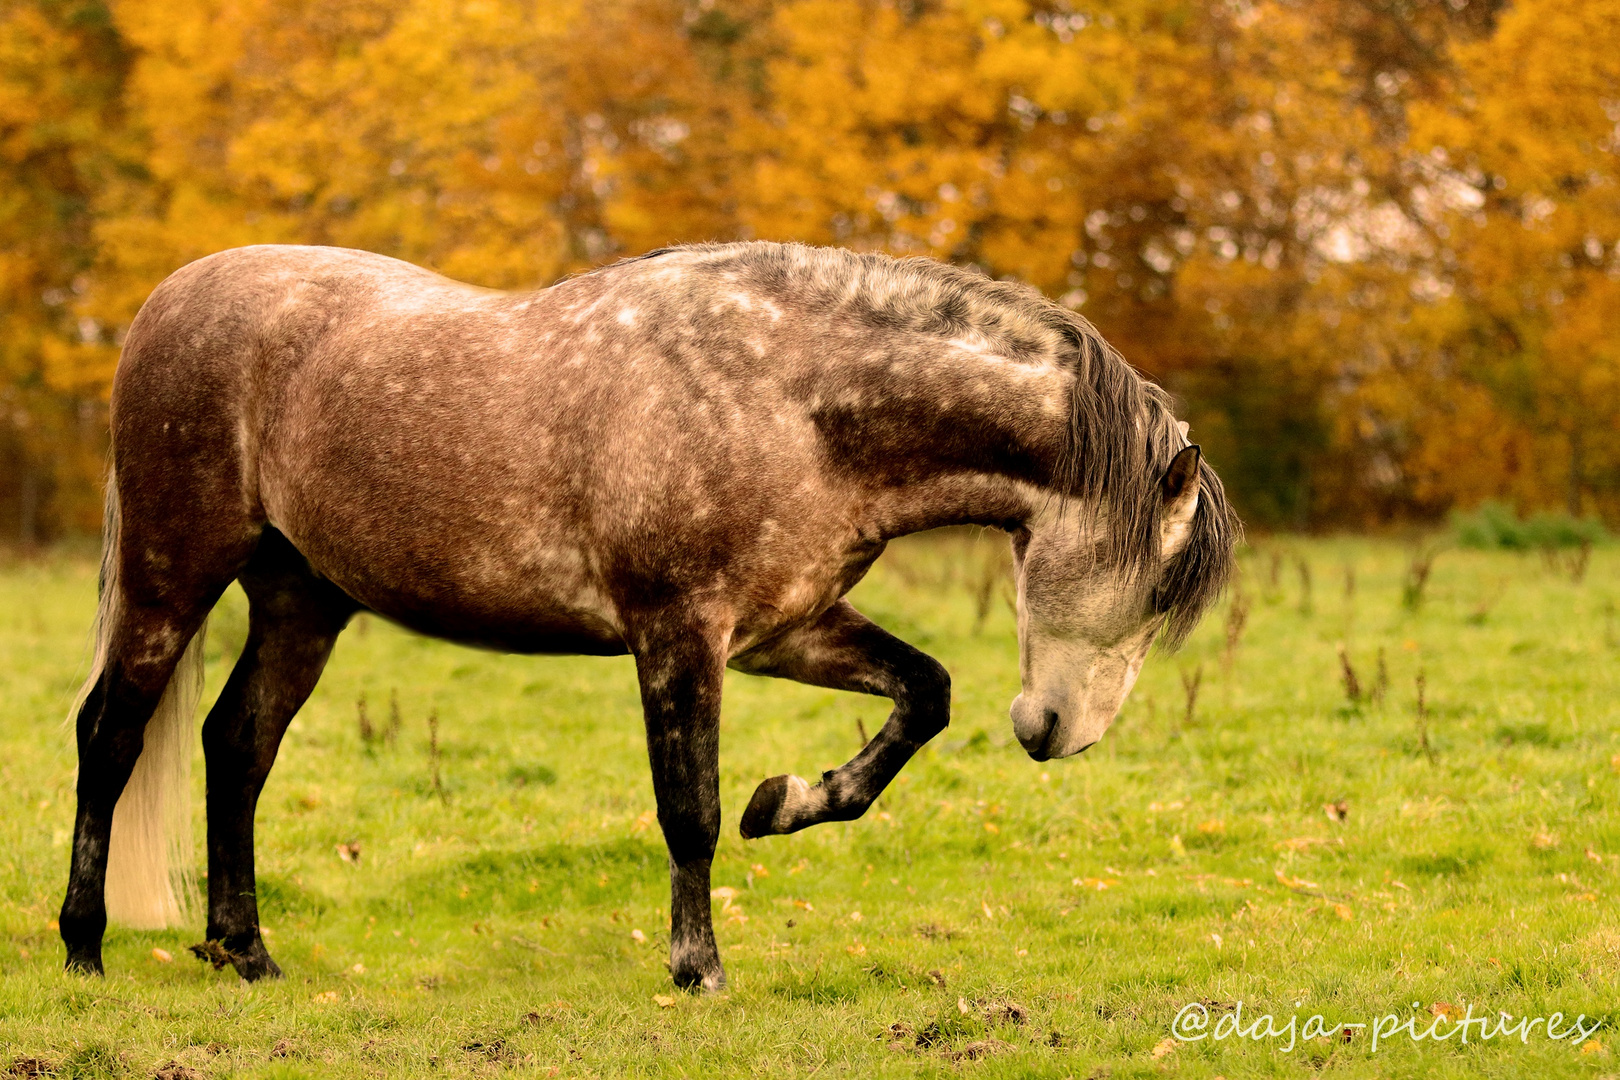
x=1272, y=843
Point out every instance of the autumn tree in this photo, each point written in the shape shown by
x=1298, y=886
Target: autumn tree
x=1371, y=246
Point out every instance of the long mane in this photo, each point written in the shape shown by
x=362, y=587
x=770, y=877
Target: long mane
x=1122, y=432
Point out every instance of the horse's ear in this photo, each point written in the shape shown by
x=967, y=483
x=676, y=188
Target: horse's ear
x=1178, y=491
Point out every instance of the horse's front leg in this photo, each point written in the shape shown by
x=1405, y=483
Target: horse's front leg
x=844, y=650
x=681, y=667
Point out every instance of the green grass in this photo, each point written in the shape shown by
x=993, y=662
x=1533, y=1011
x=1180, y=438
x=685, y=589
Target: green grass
x=493, y=931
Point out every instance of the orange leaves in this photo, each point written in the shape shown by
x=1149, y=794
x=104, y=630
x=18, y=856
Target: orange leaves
x=1231, y=214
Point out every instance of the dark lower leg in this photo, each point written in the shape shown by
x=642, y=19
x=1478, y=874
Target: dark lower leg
x=294, y=622
x=845, y=651
x=111, y=731
x=681, y=671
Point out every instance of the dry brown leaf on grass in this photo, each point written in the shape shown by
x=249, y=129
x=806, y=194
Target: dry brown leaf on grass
x=1296, y=884
x=1098, y=884
x=664, y=1001
x=1337, y=811
x=1300, y=843
x=1166, y=1046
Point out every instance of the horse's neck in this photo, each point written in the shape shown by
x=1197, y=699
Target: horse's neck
x=940, y=433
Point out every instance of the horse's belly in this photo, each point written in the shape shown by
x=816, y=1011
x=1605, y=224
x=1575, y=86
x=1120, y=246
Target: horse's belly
x=555, y=631
x=523, y=598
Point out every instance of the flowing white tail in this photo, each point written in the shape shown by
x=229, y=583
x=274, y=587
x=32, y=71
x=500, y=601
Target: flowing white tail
x=151, y=875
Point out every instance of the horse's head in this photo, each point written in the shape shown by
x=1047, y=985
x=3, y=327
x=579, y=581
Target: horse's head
x=1086, y=621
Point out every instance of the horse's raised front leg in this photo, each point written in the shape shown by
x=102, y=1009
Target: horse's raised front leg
x=294, y=620
x=844, y=650
x=681, y=667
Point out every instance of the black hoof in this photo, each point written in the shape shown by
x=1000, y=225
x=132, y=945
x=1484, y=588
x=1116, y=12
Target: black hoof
x=84, y=962
x=710, y=981
x=254, y=968
x=695, y=965
x=760, y=817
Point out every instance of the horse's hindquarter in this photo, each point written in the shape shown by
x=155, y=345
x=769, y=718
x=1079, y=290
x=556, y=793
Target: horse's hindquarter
x=536, y=471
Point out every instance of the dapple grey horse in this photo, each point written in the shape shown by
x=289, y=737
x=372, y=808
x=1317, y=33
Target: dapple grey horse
x=690, y=456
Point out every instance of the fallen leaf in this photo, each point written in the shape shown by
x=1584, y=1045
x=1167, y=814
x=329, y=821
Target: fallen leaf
x=1165, y=1048
x=1593, y=855
x=325, y=997
x=856, y=949
x=163, y=956
x=1337, y=811
x=638, y=937
x=1591, y=1046
x=1294, y=883
x=1445, y=1009
x=962, y=1006
x=1096, y=883
x=1212, y=826
x=759, y=870
x=1343, y=911
x=664, y=1001
x=1300, y=843
x=1544, y=840
x=644, y=821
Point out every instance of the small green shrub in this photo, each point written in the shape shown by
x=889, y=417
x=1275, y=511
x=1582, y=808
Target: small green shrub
x=1494, y=525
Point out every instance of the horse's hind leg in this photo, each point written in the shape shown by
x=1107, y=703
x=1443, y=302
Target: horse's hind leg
x=152, y=606
x=294, y=620
x=844, y=650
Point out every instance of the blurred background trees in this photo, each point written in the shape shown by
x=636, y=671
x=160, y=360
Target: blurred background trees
x=1373, y=245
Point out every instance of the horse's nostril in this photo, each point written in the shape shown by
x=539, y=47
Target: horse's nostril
x=1051, y=720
